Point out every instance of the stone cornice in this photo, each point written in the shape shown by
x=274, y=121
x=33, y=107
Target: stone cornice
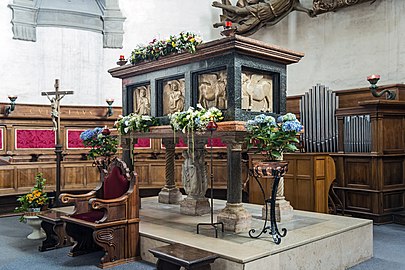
x=235, y=44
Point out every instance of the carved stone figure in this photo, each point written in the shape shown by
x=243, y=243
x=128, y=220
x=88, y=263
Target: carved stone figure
x=257, y=92
x=248, y=16
x=212, y=90
x=142, y=101
x=174, y=100
x=194, y=175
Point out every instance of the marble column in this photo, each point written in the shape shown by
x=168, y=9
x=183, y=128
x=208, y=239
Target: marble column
x=170, y=194
x=194, y=176
x=234, y=215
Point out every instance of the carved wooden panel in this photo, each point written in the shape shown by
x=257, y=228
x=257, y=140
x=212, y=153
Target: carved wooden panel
x=359, y=201
x=2, y=129
x=26, y=177
x=92, y=176
x=358, y=172
x=257, y=92
x=73, y=176
x=7, y=178
x=393, y=140
x=157, y=174
x=212, y=89
x=141, y=100
x=173, y=96
x=393, y=172
x=49, y=173
x=393, y=201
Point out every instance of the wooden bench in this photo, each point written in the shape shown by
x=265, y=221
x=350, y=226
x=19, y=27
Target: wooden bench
x=55, y=233
x=174, y=256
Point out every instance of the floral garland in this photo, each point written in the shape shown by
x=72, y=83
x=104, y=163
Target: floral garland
x=194, y=120
x=135, y=122
x=185, y=41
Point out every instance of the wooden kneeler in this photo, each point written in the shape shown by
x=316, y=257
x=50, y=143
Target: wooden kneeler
x=107, y=218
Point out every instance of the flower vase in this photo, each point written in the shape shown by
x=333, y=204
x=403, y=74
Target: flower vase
x=265, y=169
x=34, y=222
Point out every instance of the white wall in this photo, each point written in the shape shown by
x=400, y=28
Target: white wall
x=340, y=48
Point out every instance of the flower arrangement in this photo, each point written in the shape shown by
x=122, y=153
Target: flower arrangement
x=102, y=143
x=135, y=122
x=194, y=119
x=272, y=138
x=185, y=41
x=37, y=198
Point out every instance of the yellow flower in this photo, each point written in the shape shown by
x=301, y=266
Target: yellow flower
x=192, y=39
x=173, y=44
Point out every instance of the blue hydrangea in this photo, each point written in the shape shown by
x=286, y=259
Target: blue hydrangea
x=294, y=125
x=90, y=133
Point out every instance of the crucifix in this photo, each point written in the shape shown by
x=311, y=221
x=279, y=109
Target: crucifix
x=55, y=98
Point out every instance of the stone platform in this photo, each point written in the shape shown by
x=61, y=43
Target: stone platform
x=314, y=240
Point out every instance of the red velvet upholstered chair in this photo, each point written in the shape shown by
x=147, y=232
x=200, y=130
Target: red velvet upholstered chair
x=107, y=217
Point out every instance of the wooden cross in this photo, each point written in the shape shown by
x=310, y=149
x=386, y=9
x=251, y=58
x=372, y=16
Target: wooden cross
x=55, y=106
x=55, y=98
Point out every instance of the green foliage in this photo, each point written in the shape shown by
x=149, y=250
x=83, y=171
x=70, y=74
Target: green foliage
x=37, y=198
x=194, y=119
x=102, y=143
x=185, y=41
x=135, y=122
x=272, y=138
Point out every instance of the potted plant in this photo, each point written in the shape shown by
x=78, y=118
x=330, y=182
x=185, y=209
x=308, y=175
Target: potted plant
x=103, y=145
x=34, y=201
x=272, y=137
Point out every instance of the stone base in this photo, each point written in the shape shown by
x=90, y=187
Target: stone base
x=195, y=207
x=235, y=218
x=284, y=211
x=170, y=195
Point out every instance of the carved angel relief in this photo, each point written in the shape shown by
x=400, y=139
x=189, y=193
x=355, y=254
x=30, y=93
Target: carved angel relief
x=257, y=92
x=173, y=96
x=212, y=90
x=142, y=100
x=248, y=16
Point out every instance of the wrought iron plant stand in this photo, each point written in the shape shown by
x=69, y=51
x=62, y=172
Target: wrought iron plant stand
x=212, y=126
x=275, y=170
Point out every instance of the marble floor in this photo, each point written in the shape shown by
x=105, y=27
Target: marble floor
x=313, y=240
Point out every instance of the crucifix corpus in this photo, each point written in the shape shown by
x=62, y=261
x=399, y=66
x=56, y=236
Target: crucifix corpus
x=55, y=98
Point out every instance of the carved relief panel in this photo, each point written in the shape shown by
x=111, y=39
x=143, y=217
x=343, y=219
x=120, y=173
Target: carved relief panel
x=212, y=90
x=142, y=100
x=257, y=92
x=173, y=96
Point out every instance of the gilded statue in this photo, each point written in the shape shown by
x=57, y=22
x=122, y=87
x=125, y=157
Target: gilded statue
x=212, y=90
x=248, y=16
x=143, y=103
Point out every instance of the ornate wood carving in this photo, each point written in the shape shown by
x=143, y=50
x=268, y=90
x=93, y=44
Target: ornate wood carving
x=323, y=6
